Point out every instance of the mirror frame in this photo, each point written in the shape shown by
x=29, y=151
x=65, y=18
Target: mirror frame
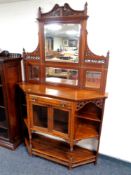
x=87, y=59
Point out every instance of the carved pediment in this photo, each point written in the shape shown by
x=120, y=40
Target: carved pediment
x=35, y=55
x=66, y=10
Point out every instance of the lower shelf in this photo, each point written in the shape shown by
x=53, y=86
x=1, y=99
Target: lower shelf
x=5, y=142
x=58, y=151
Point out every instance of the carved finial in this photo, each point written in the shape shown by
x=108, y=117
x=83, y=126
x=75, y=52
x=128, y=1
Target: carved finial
x=66, y=6
x=39, y=12
x=23, y=53
x=56, y=6
x=108, y=54
x=23, y=50
x=85, y=8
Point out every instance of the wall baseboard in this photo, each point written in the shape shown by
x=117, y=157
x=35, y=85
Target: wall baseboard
x=115, y=159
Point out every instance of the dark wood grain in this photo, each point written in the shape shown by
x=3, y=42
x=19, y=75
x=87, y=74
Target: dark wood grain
x=10, y=74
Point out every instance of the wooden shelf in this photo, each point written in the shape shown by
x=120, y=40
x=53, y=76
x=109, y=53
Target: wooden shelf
x=1, y=106
x=3, y=124
x=85, y=131
x=58, y=151
x=92, y=117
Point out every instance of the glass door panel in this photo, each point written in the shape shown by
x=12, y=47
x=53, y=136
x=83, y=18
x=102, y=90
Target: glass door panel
x=3, y=120
x=1, y=93
x=3, y=132
x=40, y=116
x=61, y=120
x=1, y=96
x=2, y=115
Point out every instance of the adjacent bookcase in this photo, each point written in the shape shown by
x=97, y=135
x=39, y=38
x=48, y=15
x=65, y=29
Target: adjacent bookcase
x=10, y=74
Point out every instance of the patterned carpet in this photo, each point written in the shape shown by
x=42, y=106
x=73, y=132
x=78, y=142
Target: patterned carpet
x=20, y=163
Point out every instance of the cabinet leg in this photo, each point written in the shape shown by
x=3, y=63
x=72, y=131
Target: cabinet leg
x=30, y=153
x=70, y=167
x=95, y=163
x=71, y=147
x=70, y=162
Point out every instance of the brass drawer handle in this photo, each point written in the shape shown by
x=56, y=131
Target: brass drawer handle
x=63, y=105
x=33, y=99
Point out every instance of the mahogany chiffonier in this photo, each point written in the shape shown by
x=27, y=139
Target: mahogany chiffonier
x=63, y=94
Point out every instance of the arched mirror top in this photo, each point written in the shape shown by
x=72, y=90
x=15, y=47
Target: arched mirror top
x=62, y=13
x=62, y=33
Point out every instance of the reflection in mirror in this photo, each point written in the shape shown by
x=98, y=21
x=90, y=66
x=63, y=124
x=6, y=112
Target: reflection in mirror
x=62, y=42
x=63, y=76
x=34, y=72
x=93, y=79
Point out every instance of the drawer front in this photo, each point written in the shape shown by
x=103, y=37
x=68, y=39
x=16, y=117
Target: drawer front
x=50, y=101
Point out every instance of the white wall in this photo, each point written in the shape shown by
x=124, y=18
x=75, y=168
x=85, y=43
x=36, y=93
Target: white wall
x=109, y=29
x=57, y=43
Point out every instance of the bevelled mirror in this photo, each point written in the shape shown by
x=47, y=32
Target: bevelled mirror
x=93, y=79
x=62, y=42
x=62, y=75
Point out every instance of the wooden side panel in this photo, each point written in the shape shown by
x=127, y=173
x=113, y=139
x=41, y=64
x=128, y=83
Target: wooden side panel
x=12, y=76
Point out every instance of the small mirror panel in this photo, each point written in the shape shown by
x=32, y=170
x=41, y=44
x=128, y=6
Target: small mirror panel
x=93, y=79
x=62, y=42
x=63, y=76
x=34, y=72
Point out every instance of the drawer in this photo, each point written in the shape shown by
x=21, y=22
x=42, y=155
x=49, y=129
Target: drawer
x=50, y=101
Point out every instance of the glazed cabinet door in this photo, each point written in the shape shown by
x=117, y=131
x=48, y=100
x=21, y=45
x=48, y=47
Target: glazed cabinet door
x=39, y=117
x=61, y=122
x=49, y=115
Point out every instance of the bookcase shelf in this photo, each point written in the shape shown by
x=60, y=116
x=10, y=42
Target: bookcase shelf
x=85, y=131
x=3, y=124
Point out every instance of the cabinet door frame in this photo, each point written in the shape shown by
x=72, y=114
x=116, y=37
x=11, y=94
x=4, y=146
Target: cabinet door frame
x=32, y=125
x=58, y=133
x=49, y=130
